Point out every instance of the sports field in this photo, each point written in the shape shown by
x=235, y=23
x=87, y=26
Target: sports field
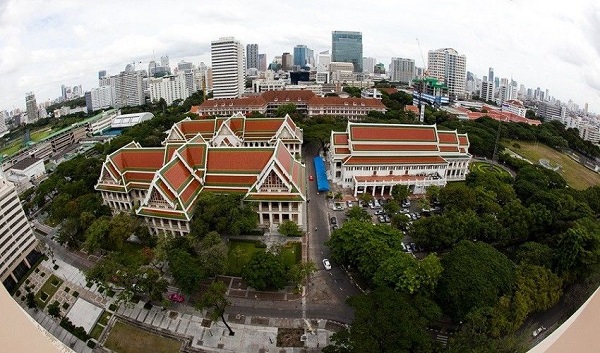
x=576, y=175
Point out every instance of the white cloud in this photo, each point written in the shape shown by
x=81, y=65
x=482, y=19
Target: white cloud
x=44, y=44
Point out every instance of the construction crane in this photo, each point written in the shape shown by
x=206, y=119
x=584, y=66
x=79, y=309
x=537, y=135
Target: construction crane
x=422, y=58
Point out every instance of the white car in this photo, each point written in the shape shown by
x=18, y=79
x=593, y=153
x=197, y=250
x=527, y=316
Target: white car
x=538, y=331
x=326, y=264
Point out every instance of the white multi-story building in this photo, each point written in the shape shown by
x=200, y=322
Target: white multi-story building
x=102, y=97
x=448, y=65
x=3, y=128
x=369, y=65
x=373, y=158
x=169, y=88
x=487, y=90
x=128, y=87
x=514, y=106
x=227, y=56
x=324, y=61
x=17, y=242
x=402, y=70
x=589, y=132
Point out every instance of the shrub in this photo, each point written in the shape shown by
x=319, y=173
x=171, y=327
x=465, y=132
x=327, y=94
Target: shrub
x=43, y=296
x=67, y=289
x=110, y=293
x=91, y=344
x=55, y=267
x=65, y=305
x=78, y=331
x=18, y=293
x=112, y=307
x=75, y=294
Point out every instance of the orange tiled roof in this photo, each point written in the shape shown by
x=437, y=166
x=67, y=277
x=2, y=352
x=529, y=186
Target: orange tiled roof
x=193, y=127
x=340, y=138
x=254, y=101
x=288, y=96
x=261, y=126
x=449, y=149
x=194, y=155
x=343, y=150
x=176, y=173
x=230, y=160
x=463, y=140
x=235, y=180
x=411, y=108
x=392, y=133
x=390, y=147
x=447, y=137
x=377, y=160
x=138, y=158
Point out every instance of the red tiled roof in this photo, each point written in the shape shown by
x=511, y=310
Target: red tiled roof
x=411, y=108
x=463, y=140
x=392, y=133
x=139, y=159
x=354, y=160
x=447, y=137
x=163, y=187
x=448, y=148
x=193, y=127
x=390, y=147
x=194, y=155
x=176, y=174
x=340, y=138
x=237, y=160
x=288, y=96
x=261, y=126
x=234, y=180
x=343, y=150
x=349, y=102
x=503, y=116
x=388, y=90
x=139, y=176
x=193, y=188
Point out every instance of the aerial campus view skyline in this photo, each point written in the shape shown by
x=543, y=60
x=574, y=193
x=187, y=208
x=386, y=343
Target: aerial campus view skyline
x=534, y=43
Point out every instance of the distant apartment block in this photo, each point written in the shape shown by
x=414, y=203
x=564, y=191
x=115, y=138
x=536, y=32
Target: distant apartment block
x=448, y=65
x=102, y=97
x=402, y=70
x=128, y=87
x=170, y=88
x=227, y=57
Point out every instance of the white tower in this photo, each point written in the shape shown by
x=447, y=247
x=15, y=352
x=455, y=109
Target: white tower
x=227, y=56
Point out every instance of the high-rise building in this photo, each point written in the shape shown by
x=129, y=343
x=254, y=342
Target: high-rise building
x=101, y=74
x=17, y=242
x=3, y=118
x=302, y=55
x=262, y=62
x=102, y=97
x=128, y=86
x=169, y=88
x=487, y=90
x=227, y=56
x=402, y=70
x=31, y=107
x=324, y=61
x=252, y=56
x=188, y=70
x=491, y=74
x=347, y=46
x=287, y=60
x=369, y=65
x=447, y=65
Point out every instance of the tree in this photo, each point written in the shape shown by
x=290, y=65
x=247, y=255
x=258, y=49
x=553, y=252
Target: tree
x=358, y=213
x=400, y=192
x=265, y=270
x=533, y=253
x=286, y=109
x=402, y=272
x=458, y=196
x=215, y=298
x=211, y=254
x=475, y=275
x=384, y=321
x=290, y=229
x=299, y=272
x=54, y=309
x=186, y=270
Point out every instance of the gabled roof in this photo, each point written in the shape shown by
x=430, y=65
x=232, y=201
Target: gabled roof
x=239, y=103
x=392, y=133
x=237, y=160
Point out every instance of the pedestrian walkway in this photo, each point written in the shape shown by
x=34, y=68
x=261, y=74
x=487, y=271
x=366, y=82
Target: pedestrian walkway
x=252, y=334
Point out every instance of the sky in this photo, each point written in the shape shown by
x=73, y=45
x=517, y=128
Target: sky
x=553, y=45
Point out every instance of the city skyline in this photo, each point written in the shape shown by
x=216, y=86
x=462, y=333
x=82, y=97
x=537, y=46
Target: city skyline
x=536, y=43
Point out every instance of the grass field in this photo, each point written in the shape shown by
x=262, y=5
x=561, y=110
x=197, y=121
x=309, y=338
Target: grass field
x=49, y=288
x=124, y=338
x=13, y=148
x=576, y=175
x=489, y=168
x=40, y=134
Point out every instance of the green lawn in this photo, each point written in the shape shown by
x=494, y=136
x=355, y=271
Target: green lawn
x=124, y=338
x=292, y=253
x=576, y=175
x=49, y=289
x=13, y=148
x=40, y=134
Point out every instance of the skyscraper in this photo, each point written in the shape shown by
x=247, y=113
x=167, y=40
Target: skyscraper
x=301, y=55
x=227, y=56
x=16, y=237
x=128, y=87
x=287, y=60
x=347, y=47
x=31, y=107
x=262, y=62
x=491, y=75
x=252, y=56
x=446, y=64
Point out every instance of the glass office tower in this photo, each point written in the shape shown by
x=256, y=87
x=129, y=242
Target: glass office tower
x=347, y=47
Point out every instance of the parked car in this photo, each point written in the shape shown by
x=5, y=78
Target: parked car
x=387, y=219
x=378, y=212
x=349, y=203
x=326, y=264
x=381, y=219
x=404, y=248
x=333, y=220
x=311, y=178
x=539, y=330
x=414, y=247
x=175, y=297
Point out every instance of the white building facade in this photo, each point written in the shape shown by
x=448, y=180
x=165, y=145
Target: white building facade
x=372, y=158
x=227, y=56
x=169, y=88
x=103, y=97
x=448, y=65
x=402, y=70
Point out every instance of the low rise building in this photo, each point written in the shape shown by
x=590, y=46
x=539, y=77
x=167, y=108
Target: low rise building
x=351, y=108
x=372, y=158
x=122, y=121
x=515, y=107
x=256, y=157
